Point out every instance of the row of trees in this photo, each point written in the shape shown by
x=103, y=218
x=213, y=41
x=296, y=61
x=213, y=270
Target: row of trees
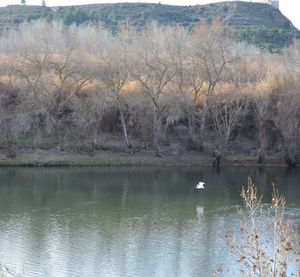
x=156, y=87
x=23, y=2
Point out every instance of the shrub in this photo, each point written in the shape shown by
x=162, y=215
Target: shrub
x=267, y=241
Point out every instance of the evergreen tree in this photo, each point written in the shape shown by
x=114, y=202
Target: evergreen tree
x=23, y=2
x=44, y=3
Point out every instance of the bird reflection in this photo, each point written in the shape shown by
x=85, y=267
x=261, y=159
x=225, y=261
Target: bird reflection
x=199, y=211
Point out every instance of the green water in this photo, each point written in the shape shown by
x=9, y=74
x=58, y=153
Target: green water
x=126, y=221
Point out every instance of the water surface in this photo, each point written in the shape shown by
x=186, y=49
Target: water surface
x=126, y=221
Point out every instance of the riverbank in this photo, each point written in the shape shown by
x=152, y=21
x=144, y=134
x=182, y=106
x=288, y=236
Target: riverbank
x=109, y=158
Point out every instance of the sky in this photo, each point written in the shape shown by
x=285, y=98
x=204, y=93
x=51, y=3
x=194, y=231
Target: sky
x=290, y=8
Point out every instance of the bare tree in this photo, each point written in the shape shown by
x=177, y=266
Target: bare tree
x=155, y=71
x=115, y=75
x=228, y=109
x=30, y=67
x=89, y=108
x=187, y=82
x=253, y=70
x=211, y=53
x=263, y=124
x=287, y=120
x=68, y=76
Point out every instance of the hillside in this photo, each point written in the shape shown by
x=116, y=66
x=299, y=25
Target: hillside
x=256, y=23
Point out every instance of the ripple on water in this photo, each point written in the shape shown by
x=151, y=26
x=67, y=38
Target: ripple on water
x=158, y=226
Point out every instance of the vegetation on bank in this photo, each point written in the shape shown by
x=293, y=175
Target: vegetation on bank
x=166, y=89
x=256, y=23
x=39, y=157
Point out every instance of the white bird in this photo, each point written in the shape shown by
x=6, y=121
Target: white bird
x=200, y=185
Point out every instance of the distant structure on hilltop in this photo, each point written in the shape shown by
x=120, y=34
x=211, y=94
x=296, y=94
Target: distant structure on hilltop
x=274, y=3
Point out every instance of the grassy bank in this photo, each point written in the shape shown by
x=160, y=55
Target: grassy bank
x=108, y=158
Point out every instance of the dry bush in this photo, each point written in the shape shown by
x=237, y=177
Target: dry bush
x=13, y=117
x=267, y=243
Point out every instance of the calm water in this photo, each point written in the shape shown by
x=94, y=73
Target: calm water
x=125, y=221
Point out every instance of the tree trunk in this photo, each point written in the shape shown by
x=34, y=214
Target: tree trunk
x=227, y=135
x=261, y=155
x=156, y=131
x=217, y=156
x=93, y=146
x=191, y=125
x=11, y=149
x=124, y=128
x=203, y=119
x=202, y=125
x=61, y=142
x=35, y=139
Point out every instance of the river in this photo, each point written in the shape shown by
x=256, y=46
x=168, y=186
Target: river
x=126, y=221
